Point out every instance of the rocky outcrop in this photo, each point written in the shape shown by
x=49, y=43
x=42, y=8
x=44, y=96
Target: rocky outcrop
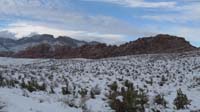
x=158, y=44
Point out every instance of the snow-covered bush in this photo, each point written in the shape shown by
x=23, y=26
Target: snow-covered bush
x=65, y=91
x=95, y=91
x=33, y=86
x=83, y=92
x=160, y=100
x=128, y=99
x=66, y=88
x=114, y=86
x=1, y=81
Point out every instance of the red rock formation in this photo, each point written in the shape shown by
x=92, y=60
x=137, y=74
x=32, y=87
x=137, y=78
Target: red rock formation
x=147, y=45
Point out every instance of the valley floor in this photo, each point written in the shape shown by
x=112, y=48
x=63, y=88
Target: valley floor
x=81, y=85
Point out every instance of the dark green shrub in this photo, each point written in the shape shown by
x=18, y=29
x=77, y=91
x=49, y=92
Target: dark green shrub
x=132, y=100
x=9, y=83
x=114, y=86
x=51, y=90
x=65, y=91
x=42, y=87
x=128, y=84
x=33, y=86
x=159, y=99
x=92, y=95
x=181, y=101
x=2, y=83
x=83, y=92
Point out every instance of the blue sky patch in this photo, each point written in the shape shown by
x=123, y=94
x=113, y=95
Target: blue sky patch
x=110, y=21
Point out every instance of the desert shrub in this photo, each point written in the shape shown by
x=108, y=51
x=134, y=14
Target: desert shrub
x=9, y=83
x=163, y=80
x=1, y=81
x=150, y=82
x=181, y=101
x=42, y=87
x=95, y=91
x=30, y=87
x=51, y=90
x=65, y=91
x=33, y=86
x=160, y=100
x=131, y=100
x=113, y=86
x=92, y=95
x=83, y=92
x=23, y=84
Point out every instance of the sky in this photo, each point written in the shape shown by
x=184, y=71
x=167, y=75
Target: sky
x=109, y=21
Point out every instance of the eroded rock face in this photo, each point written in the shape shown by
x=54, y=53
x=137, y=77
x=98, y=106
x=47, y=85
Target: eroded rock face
x=158, y=44
x=148, y=45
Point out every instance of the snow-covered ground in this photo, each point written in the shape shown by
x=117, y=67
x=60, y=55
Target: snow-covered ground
x=179, y=70
x=12, y=61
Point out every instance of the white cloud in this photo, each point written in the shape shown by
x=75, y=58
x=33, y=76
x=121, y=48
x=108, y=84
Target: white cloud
x=191, y=34
x=188, y=12
x=139, y=3
x=56, y=15
x=57, y=18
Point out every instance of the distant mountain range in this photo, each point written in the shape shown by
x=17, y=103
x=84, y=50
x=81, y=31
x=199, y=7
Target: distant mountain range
x=13, y=45
x=46, y=46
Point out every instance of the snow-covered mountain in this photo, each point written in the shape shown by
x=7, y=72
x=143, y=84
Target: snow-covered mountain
x=8, y=44
x=103, y=85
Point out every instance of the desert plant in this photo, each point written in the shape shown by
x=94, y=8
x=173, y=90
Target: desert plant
x=95, y=91
x=92, y=95
x=51, y=90
x=33, y=86
x=114, y=86
x=83, y=92
x=160, y=100
x=181, y=101
x=132, y=100
x=1, y=81
x=65, y=91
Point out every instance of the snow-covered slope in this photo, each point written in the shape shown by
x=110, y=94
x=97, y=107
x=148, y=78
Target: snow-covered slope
x=9, y=44
x=178, y=70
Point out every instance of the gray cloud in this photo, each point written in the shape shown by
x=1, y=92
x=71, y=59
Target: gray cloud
x=188, y=11
x=7, y=34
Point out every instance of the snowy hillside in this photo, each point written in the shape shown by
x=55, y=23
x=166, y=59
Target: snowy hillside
x=81, y=85
x=15, y=45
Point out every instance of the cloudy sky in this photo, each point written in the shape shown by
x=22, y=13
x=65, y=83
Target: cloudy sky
x=110, y=21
